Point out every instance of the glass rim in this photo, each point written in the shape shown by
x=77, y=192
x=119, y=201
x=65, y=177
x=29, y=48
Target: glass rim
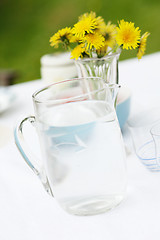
x=36, y=93
x=118, y=52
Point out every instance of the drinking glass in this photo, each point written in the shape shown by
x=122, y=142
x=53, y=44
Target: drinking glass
x=144, y=131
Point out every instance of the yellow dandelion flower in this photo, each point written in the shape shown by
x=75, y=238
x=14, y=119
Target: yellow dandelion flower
x=109, y=34
x=127, y=35
x=142, y=45
x=86, y=15
x=77, y=51
x=100, y=24
x=75, y=39
x=86, y=25
x=62, y=36
x=94, y=40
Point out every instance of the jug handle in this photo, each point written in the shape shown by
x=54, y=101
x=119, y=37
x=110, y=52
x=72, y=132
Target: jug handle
x=27, y=155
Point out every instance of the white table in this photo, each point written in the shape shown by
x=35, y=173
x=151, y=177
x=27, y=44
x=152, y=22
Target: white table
x=27, y=212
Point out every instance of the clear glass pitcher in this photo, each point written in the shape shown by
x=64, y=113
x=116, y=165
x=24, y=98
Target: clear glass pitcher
x=82, y=147
x=145, y=131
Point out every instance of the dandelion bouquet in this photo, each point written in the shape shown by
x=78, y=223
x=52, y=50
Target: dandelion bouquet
x=91, y=37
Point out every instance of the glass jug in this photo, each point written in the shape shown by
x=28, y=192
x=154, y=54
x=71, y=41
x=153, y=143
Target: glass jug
x=81, y=143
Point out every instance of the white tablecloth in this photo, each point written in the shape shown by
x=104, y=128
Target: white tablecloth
x=27, y=212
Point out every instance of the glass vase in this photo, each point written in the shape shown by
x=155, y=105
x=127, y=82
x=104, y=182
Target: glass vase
x=105, y=67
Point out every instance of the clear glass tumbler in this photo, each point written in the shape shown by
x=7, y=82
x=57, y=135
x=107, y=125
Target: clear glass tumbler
x=145, y=137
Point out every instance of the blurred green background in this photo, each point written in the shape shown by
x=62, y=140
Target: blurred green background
x=26, y=26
